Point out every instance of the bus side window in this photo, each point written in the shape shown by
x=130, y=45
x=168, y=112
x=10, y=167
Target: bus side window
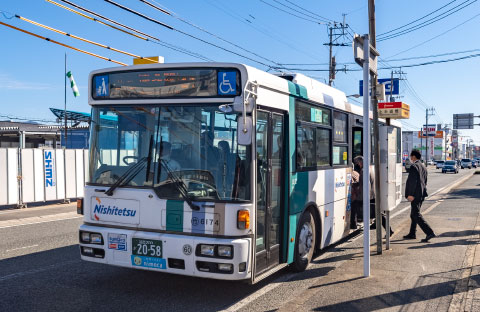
x=357, y=143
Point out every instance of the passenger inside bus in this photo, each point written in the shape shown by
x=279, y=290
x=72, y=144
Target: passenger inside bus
x=227, y=164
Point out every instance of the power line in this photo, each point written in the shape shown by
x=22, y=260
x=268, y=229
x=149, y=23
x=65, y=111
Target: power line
x=184, y=33
x=418, y=19
x=426, y=23
x=290, y=13
x=266, y=31
x=62, y=44
x=303, y=13
x=389, y=60
x=435, y=37
x=321, y=17
x=176, y=16
x=398, y=66
x=80, y=38
x=157, y=40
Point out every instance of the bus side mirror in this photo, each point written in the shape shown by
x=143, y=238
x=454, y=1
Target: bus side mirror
x=244, y=130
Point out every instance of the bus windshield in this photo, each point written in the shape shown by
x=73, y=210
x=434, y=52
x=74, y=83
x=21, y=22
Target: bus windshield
x=170, y=149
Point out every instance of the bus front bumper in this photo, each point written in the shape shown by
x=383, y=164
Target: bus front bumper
x=179, y=254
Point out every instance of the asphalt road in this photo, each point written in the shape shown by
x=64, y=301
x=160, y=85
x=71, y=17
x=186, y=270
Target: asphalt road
x=40, y=270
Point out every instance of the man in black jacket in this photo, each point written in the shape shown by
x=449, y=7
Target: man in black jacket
x=415, y=192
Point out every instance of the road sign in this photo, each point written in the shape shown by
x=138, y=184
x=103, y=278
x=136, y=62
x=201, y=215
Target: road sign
x=388, y=85
x=359, y=54
x=395, y=110
x=462, y=121
x=431, y=129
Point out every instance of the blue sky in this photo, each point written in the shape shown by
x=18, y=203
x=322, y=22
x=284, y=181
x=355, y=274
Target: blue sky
x=32, y=70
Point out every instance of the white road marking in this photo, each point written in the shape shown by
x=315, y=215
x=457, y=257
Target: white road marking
x=274, y=284
x=39, y=270
x=40, y=219
x=24, y=247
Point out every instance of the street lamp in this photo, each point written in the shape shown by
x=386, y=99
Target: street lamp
x=354, y=96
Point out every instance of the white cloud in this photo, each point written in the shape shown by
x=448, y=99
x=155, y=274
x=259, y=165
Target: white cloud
x=9, y=83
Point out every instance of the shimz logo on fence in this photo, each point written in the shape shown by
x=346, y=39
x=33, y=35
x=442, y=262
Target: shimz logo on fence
x=113, y=211
x=48, y=163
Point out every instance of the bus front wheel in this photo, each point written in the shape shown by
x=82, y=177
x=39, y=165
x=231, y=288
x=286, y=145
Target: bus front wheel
x=305, y=242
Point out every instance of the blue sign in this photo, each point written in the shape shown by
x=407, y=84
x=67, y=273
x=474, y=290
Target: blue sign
x=48, y=164
x=388, y=84
x=101, y=86
x=149, y=262
x=227, y=83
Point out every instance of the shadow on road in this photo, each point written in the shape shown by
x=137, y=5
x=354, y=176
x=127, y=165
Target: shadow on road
x=401, y=297
x=463, y=194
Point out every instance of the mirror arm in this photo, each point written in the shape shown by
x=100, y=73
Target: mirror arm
x=250, y=96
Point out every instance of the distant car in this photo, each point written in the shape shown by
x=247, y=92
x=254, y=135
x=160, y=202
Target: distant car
x=474, y=163
x=440, y=164
x=450, y=166
x=431, y=163
x=466, y=163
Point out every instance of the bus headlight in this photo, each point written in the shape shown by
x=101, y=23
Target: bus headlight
x=96, y=238
x=85, y=237
x=91, y=238
x=207, y=250
x=225, y=251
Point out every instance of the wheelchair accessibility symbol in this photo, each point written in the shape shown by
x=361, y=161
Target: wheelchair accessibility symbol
x=227, y=83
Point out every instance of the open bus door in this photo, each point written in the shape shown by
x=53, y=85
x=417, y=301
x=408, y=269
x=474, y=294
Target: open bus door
x=270, y=159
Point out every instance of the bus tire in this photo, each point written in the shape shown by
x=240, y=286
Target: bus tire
x=304, y=242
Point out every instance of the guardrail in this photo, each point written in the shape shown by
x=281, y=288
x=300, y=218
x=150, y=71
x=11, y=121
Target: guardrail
x=37, y=175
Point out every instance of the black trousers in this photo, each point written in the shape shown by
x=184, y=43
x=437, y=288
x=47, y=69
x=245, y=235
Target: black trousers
x=417, y=218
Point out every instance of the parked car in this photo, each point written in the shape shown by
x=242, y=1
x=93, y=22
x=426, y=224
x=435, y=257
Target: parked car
x=440, y=164
x=466, y=163
x=450, y=166
x=431, y=162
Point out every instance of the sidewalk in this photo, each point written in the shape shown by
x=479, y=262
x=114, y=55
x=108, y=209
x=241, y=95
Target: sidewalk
x=443, y=275
x=13, y=216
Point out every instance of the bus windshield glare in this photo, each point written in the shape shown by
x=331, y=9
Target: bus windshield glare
x=170, y=149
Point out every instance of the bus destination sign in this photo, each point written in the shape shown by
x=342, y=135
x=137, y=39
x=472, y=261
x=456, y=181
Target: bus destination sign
x=151, y=84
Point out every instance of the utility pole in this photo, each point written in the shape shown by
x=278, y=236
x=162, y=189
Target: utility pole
x=376, y=137
x=331, y=70
x=428, y=112
x=335, y=33
x=65, y=104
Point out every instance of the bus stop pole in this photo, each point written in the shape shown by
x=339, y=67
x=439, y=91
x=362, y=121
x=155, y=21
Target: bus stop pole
x=366, y=158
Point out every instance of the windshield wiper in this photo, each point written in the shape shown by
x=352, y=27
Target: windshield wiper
x=128, y=175
x=182, y=189
x=133, y=171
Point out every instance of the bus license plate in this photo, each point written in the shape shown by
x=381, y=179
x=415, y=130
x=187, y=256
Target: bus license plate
x=147, y=247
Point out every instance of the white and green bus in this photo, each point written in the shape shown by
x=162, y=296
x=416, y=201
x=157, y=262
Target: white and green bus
x=216, y=170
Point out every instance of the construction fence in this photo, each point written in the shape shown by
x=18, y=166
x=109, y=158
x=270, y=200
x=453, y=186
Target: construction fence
x=36, y=175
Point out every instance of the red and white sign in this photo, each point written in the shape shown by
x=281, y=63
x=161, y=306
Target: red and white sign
x=396, y=110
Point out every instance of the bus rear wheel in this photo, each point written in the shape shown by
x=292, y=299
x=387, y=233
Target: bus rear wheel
x=305, y=242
